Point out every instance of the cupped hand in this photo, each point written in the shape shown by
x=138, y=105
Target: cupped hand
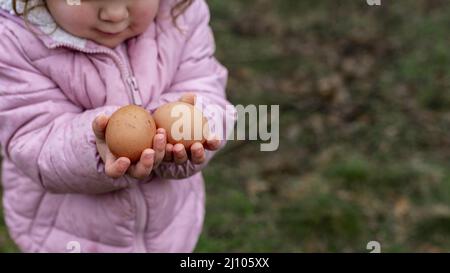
x=196, y=153
x=117, y=167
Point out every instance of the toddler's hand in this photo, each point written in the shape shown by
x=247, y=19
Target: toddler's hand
x=178, y=154
x=117, y=167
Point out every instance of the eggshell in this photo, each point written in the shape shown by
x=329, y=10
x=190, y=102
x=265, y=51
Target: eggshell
x=169, y=117
x=130, y=131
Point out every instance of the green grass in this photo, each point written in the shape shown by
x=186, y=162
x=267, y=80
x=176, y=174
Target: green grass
x=363, y=158
x=365, y=128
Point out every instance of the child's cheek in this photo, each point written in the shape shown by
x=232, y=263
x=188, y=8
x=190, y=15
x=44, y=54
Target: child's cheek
x=75, y=19
x=143, y=15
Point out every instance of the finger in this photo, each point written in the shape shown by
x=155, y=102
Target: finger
x=99, y=126
x=168, y=156
x=144, y=167
x=102, y=149
x=198, y=155
x=116, y=168
x=179, y=154
x=161, y=131
x=159, y=145
x=189, y=98
x=212, y=143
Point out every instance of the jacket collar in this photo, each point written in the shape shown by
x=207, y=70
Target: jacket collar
x=41, y=19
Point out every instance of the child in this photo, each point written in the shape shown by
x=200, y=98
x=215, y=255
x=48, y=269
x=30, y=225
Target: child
x=65, y=67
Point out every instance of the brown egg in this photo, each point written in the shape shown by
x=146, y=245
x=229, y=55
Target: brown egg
x=130, y=131
x=184, y=113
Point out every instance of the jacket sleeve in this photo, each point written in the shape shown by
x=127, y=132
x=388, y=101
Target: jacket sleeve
x=201, y=73
x=44, y=134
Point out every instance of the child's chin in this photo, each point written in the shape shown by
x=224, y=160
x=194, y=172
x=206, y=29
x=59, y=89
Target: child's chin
x=112, y=43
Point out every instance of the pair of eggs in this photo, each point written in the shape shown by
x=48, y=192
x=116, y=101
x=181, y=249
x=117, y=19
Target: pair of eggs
x=131, y=129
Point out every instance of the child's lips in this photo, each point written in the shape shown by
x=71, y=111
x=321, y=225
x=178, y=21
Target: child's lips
x=105, y=33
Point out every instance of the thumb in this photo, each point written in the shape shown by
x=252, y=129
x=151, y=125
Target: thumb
x=188, y=98
x=99, y=126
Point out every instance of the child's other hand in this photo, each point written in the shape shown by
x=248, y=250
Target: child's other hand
x=117, y=167
x=178, y=154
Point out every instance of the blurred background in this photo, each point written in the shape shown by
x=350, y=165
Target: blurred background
x=364, y=95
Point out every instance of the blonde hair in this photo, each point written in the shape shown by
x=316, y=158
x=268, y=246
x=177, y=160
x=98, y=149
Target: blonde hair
x=175, y=12
x=179, y=8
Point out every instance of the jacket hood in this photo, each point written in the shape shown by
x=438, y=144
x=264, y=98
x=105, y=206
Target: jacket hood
x=41, y=19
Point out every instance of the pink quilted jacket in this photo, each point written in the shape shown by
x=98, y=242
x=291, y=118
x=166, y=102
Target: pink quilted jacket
x=56, y=195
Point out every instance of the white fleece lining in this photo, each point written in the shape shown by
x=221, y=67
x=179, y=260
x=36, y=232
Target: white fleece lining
x=42, y=18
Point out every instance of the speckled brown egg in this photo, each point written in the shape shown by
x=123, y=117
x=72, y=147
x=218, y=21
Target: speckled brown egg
x=130, y=131
x=164, y=119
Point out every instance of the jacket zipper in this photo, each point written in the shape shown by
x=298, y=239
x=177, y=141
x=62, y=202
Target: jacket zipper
x=129, y=78
x=135, y=95
x=131, y=82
